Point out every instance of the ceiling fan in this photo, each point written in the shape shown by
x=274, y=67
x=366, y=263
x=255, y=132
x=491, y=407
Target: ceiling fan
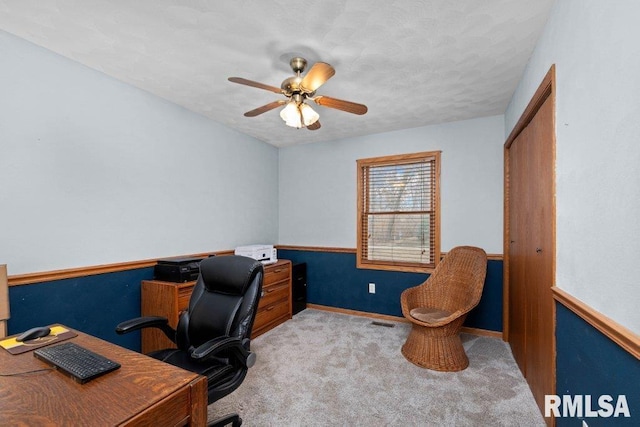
x=297, y=113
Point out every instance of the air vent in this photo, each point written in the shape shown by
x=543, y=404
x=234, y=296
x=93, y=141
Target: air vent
x=386, y=325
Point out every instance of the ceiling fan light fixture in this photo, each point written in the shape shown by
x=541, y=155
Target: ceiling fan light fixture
x=309, y=116
x=297, y=90
x=291, y=115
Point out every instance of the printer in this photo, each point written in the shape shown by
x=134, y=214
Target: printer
x=178, y=270
x=266, y=254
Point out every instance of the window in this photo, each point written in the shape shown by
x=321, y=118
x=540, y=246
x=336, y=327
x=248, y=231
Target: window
x=399, y=212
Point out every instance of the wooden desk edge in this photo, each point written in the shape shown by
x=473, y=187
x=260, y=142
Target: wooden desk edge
x=199, y=401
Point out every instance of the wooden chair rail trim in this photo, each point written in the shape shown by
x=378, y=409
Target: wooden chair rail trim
x=317, y=249
x=473, y=331
x=70, y=273
x=495, y=257
x=613, y=330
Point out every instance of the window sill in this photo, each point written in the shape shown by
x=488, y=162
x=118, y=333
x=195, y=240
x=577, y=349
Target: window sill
x=394, y=267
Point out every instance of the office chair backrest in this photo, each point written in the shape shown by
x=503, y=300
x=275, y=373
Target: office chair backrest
x=224, y=300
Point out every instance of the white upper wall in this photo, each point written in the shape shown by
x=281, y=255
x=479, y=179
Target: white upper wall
x=594, y=45
x=94, y=171
x=318, y=183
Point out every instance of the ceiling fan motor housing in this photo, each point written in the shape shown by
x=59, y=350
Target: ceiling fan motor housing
x=298, y=64
x=291, y=85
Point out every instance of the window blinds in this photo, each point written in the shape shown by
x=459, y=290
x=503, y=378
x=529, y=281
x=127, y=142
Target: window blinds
x=398, y=216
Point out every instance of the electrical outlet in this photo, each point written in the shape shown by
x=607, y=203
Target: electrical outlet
x=372, y=288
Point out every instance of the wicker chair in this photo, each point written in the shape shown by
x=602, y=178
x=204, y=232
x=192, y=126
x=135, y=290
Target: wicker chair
x=438, y=307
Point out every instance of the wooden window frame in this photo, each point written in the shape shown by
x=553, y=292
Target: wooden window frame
x=362, y=166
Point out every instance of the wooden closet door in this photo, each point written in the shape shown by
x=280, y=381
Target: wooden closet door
x=518, y=220
x=530, y=243
x=540, y=347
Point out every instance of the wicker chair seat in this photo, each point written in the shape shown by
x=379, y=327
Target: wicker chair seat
x=428, y=314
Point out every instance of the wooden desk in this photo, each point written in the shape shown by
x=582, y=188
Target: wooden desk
x=144, y=391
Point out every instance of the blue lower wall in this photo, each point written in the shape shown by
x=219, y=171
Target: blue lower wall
x=589, y=363
x=91, y=304
x=96, y=304
x=333, y=280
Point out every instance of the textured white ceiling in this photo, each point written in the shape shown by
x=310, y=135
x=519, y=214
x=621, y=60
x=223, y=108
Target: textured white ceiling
x=412, y=62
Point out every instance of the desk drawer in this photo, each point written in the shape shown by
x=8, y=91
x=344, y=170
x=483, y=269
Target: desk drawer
x=173, y=410
x=275, y=274
x=271, y=312
x=184, y=294
x=274, y=293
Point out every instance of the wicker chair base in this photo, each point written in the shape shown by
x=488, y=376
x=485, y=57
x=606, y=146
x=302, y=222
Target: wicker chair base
x=428, y=348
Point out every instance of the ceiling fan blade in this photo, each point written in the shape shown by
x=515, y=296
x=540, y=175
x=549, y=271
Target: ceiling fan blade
x=314, y=126
x=317, y=76
x=339, y=104
x=251, y=83
x=264, y=108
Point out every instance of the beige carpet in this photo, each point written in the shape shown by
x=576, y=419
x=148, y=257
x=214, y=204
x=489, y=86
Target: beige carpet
x=323, y=368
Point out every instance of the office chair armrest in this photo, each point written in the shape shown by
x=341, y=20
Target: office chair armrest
x=216, y=345
x=147, y=322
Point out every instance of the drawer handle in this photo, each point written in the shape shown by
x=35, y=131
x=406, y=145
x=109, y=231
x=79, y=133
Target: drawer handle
x=270, y=308
x=268, y=291
x=277, y=271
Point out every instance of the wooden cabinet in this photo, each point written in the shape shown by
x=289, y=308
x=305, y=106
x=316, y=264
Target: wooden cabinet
x=168, y=299
x=275, y=304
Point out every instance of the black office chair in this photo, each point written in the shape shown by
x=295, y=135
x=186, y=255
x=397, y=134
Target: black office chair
x=213, y=335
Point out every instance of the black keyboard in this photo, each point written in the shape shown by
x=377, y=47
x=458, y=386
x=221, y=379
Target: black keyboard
x=77, y=362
